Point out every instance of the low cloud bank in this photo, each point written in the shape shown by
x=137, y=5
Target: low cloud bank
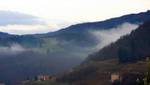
x=25, y=29
x=105, y=37
x=12, y=50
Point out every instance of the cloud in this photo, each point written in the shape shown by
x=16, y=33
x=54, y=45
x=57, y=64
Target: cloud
x=20, y=23
x=11, y=18
x=105, y=37
x=12, y=50
x=25, y=29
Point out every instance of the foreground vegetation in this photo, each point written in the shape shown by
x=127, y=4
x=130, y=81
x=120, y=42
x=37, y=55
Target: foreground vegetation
x=99, y=73
x=147, y=78
x=42, y=83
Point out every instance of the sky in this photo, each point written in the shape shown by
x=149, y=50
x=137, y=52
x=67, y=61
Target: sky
x=41, y=16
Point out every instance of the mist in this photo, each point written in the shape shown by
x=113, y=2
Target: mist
x=12, y=49
x=106, y=37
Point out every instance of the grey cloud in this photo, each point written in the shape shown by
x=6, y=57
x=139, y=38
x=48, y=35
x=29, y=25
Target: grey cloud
x=105, y=37
x=12, y=49
x=10, y=18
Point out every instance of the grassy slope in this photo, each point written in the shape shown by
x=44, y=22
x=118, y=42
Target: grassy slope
x=98, y=73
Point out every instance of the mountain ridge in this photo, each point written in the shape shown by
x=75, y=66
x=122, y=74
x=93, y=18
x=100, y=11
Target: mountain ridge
x=52, y=52
x=130, y=41
x=126, y=55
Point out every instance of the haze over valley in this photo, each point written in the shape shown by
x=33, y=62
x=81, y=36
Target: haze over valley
x=71, y=40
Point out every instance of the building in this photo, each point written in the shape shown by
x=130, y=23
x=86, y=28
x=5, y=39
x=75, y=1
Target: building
x=43, y=77
x=46, y=77
x=114, y=77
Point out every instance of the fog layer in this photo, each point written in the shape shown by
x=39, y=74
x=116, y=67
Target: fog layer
x=105, y=37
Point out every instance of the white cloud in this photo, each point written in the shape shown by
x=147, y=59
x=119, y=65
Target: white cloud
x=76, y=10
x=20, y=23
x=61, y=13
x=105, y=37
x=11, y=18
x=12, y=50
x=26, y=29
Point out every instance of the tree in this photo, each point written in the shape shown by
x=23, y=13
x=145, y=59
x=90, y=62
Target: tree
x=147, y=79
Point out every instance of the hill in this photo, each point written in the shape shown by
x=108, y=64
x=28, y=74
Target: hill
x=128, y=48
x=55, y=52
x=126, y=55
